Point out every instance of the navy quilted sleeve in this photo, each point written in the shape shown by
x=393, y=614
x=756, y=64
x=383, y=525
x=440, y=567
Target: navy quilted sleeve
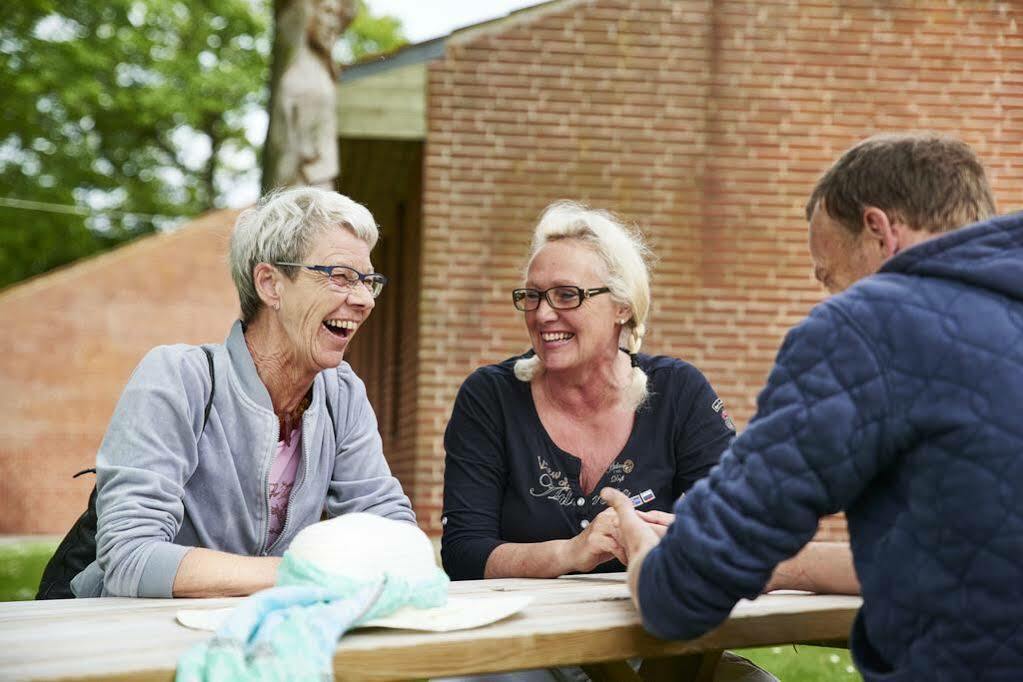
x=815, y=441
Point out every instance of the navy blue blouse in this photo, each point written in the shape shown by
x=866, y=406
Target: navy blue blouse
x=506, y=481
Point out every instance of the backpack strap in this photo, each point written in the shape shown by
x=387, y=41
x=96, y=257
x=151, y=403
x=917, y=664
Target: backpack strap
x=213, y=388
x=206, y=413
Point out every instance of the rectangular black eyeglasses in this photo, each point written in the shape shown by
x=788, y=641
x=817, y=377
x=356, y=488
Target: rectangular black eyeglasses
x=345, y=276
x=565, y=297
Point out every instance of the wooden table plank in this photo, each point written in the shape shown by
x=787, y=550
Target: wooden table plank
x=569, y=622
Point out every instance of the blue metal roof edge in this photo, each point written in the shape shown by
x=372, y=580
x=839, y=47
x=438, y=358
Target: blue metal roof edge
x=412, y=54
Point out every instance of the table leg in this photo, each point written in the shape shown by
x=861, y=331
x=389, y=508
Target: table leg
x=689, y=668
x=692, y=668
x=616, y=671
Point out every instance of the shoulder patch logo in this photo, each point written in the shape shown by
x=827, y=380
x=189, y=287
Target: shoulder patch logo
x=719, y=406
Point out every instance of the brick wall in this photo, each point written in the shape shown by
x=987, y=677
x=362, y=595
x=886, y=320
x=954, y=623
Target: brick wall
x=706, y=123
x=71, y=340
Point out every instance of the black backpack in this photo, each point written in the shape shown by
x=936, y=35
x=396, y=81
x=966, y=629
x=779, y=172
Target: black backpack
x=78, y=548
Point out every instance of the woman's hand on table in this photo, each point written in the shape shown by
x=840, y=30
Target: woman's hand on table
x=597, y=543
x=820, y=567
x=658, y=521
x=209, y=573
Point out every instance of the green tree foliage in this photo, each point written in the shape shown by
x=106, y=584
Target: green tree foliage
x=132, y=113
x=370, y=35
x=128, y=110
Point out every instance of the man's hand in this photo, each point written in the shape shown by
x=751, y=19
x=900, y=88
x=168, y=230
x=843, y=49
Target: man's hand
x=634, y=534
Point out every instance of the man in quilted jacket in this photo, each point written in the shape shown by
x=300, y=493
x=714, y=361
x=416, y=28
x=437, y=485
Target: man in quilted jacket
x=898, y=400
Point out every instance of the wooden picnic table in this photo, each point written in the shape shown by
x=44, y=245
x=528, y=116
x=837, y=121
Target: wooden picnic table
x=581, y=620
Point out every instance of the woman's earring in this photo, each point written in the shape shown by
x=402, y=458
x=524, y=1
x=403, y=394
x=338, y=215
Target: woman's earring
x=277, y=305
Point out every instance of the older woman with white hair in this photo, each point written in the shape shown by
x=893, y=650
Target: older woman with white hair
x=532, y=440
x=217, y=455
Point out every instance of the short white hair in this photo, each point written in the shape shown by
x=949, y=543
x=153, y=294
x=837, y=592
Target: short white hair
x=624, y=254
x=282, y=227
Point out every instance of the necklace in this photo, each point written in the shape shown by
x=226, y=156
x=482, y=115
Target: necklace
x=288, y=420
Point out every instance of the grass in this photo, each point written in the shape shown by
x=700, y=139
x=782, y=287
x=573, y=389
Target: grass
x=796, y=663
x=21, y=565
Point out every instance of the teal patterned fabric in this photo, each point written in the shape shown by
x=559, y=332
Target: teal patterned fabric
x=290, y=632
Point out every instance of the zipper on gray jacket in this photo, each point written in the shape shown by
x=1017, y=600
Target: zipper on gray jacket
x=264, y=549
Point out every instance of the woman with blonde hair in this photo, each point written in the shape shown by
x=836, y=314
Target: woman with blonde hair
x=532, y=440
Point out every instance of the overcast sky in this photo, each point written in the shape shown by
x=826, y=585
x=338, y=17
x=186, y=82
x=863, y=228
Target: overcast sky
x=425, y=19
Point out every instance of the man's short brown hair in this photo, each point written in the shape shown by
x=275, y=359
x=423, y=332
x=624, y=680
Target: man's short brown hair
x=928, y=182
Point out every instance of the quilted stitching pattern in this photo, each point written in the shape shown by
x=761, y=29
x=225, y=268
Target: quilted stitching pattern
x=900, y=401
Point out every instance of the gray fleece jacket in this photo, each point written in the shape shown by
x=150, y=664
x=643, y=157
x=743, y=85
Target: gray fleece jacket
x=166, y=484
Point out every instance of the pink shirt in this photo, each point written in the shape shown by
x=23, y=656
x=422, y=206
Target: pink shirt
x=282, y=478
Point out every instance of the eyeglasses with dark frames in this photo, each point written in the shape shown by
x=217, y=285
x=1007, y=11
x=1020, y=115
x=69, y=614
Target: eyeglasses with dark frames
x=345, y=277
x=559, y=298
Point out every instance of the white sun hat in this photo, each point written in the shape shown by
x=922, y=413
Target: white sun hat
x=363, y=548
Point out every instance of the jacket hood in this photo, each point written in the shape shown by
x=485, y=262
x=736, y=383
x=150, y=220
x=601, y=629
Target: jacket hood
x=986, y=255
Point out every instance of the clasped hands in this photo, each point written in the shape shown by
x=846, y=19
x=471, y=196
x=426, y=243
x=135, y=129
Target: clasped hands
x=619, y=532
